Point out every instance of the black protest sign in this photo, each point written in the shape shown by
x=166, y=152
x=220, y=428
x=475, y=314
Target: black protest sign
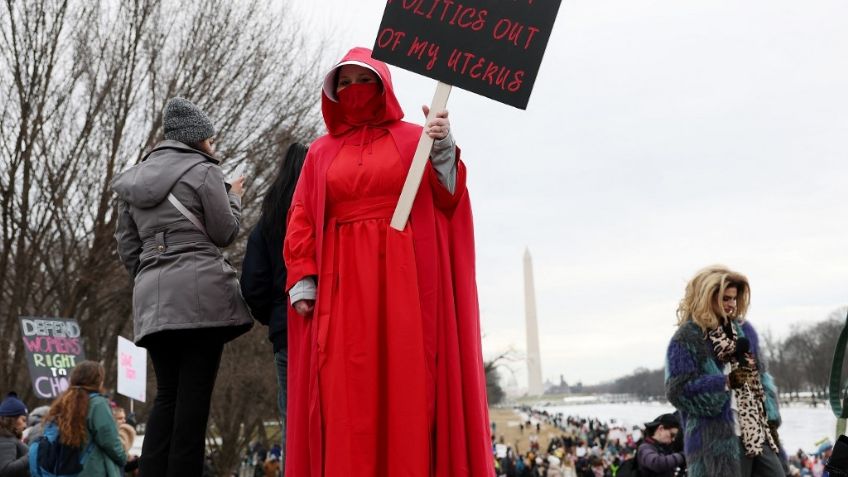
x=53, y=347
x=492, y=48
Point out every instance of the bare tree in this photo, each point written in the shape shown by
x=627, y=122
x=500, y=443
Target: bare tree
x=84, y=84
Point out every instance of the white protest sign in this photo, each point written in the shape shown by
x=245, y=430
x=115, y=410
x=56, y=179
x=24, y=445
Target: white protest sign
x=132, y=370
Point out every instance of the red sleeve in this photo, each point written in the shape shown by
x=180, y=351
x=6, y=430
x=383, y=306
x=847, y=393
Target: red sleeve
x=442, y=197
x=299, y=245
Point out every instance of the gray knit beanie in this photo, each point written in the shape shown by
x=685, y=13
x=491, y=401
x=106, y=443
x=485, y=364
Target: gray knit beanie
x=185, y=122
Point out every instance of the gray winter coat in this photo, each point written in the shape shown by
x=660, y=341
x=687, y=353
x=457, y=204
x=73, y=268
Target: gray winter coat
x=182, y=280
x=13, y=457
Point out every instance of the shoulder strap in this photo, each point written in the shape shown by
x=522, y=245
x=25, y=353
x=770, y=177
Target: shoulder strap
x=191, y=217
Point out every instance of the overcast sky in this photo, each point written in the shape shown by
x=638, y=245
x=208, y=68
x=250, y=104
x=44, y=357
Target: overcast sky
x=661, y=136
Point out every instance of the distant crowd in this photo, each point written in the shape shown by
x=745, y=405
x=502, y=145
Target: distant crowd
x=555, y=445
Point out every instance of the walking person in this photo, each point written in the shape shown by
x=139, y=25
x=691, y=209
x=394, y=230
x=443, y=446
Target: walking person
x=717, y=380
x=263, y=276
x=84, y=418
x=386, y=372
x=13, y=452
x=175, y=211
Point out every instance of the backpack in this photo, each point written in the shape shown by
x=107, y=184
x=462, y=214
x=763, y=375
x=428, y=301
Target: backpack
x=48, y=457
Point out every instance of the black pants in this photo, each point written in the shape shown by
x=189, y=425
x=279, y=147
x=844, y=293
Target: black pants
x=186, y=364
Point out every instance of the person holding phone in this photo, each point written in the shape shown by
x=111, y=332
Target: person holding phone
x=175, y=212
x=385, y=363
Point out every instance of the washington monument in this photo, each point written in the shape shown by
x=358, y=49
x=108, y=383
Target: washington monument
x=534, y=360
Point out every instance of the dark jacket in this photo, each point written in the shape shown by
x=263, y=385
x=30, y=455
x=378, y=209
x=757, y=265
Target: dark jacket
x=263, y=281
x=13, y=457
x=182, y=281
x=658, y=460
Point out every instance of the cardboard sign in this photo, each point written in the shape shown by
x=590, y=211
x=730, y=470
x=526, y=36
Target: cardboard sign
x=132, y=370
x=53, y=347
x=492, y=48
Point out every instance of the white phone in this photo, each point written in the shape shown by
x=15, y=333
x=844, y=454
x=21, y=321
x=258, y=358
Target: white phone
x=239, y=172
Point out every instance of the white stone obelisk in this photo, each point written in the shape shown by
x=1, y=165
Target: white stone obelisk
x=534, y=361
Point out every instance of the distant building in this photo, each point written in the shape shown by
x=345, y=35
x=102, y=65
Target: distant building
x=561, y=388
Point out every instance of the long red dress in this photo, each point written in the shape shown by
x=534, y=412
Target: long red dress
x=386, y=378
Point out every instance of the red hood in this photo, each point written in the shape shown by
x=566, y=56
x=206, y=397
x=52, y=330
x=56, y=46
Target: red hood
x=333, y=117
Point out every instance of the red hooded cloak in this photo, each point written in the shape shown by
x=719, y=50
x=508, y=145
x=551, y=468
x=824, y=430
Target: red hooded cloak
x=386, y=378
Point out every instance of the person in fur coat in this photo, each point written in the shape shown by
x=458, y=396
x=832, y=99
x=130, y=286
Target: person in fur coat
x=716, y=378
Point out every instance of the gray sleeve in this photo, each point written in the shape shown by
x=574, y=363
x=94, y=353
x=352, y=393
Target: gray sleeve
x=650, y=458
x=129, y=242
x=221, y=210
x=14, y=461
x=443, y=158
x=304, y=289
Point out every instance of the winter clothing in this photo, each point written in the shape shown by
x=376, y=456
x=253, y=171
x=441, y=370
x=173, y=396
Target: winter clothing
x=363, y=372
x=185, y=122
x=13, y=456
x=107, y=456
x=697, y=386
x=186, y=364
x=186, y=299
x=181, y=278
x=263, y=282
x=12, y=406
x=658, y=460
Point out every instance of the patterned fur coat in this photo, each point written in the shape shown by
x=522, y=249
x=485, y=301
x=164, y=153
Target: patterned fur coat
x=695, y=385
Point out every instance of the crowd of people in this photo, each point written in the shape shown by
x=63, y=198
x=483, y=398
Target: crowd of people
x=554, y=445
x=92, y=432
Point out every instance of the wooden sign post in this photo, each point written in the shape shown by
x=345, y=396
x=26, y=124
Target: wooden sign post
x=490, y=48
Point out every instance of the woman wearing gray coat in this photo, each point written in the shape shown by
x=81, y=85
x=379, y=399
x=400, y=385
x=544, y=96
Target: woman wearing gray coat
x=175, y=211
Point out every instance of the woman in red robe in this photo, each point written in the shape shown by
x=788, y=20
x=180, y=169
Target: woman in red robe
x=385, y=367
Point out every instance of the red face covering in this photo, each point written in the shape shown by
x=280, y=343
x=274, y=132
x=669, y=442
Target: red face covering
x=362, y=103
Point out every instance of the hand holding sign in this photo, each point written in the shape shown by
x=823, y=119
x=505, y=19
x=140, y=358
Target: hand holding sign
x=439, y=127
x=490, y=48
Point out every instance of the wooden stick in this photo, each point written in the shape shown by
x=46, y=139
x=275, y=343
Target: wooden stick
x=419, y=161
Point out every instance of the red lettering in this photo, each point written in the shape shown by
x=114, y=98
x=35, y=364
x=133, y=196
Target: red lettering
x=448, y=4
x=459, y=10
x=503, y=74
x=453, y=60
x=533, y=31
x=481, y=21
x=468, y=57
x=515, y=85
x=417, y=10
x=505, y=22
x=469, y=12
x=389, y=36
x=477, y=68
x=418, y=48
x=489, y=75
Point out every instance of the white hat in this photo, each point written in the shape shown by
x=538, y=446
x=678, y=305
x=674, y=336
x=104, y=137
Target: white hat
x=330, y=78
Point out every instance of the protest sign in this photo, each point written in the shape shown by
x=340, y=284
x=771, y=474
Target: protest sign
x=492, y=48
x=53, y=347
x=132, y=370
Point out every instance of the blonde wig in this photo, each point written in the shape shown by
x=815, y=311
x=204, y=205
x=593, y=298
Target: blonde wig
x=701, y=303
